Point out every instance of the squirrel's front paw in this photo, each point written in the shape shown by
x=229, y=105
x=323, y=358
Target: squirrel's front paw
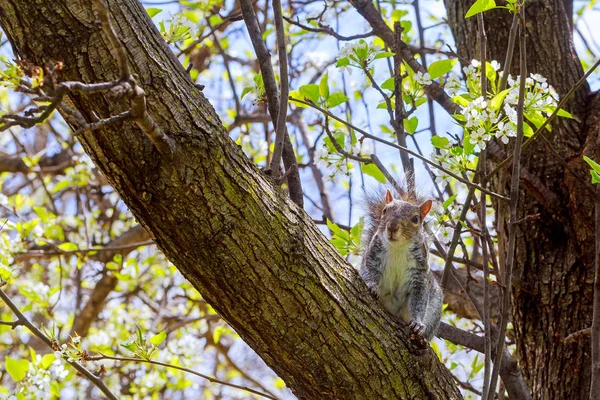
x=417, y=328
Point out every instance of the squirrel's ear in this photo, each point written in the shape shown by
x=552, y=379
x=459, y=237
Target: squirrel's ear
x=389, y=197
x=425, y=208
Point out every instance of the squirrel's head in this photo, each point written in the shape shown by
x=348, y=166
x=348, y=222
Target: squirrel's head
x=401, y=221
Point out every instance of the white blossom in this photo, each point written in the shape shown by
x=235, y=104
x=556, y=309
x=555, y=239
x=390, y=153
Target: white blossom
x=423, y=78
x=452, y=84
x=479, y=138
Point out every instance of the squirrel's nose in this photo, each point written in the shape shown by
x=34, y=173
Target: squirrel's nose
x=393, y=227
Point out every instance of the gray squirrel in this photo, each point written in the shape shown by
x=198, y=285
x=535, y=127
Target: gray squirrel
x=395, y=263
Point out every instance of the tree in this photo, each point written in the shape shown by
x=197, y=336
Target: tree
x=258, y=258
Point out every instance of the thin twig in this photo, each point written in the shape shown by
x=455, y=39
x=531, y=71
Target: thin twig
x=266, y=68
x=487, y=389
x=37, y=254
x=207, y=377
x=284, y=90
x=575, y=335
x=398, y=121
x=514, y=28
x=514, y=201
x=327, y=30
x=595, y=384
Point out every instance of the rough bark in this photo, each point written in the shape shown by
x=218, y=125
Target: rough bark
x=252, y=254
x=555, y=254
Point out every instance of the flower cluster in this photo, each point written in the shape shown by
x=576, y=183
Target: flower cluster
x=333, y=163
x=444, y=220
x=498, y=117
x=359, y=55
x=326, y=157
x=492, y=116
x=423, y=79
x=179, y=29
x=71, y=352
x=453, y=84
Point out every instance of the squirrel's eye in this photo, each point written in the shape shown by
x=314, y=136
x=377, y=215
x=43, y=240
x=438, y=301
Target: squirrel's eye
x=415, y=219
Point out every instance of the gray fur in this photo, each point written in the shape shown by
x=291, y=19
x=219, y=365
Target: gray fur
x=395, y=264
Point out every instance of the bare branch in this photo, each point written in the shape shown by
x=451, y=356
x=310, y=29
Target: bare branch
x=264, y=61
x=280, y=127
x=514, y=201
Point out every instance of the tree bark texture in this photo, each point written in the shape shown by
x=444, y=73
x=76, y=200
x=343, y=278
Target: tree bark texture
x=554, y=270
x=251, y=253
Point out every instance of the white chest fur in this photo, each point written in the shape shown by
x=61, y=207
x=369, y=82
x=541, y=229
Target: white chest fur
x=393, y=287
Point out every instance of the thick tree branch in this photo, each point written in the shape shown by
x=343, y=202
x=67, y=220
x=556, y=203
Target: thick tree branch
x=254, y=255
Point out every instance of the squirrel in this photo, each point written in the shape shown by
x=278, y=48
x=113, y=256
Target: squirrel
x=395, y=263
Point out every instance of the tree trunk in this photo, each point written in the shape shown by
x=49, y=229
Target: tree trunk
x=251, y=253
x=554, y=267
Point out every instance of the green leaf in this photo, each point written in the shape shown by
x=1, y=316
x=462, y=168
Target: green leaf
x=440, y=142
x=214, y=19
x=47, y=360
x=335, y=99
x=440, y=68
x=61, y=185
x=420, y=101
x=311, y=92
x=246, y=90
x=388, y=84
x=537, y=118
x=362, y=50
x=356, y=230
x=340, y=245
x=324, y=86
x=44, y=214
x=342, y=62
x=490, y=73
x=496, y=102
x=480, y=6
x=407, y=26
x=334, y=228
x=297, y=95
x=373, y=171
x=218, y=332
x=384, y=54
x=469, y=148
x=560, y=113
x=140, y=335
x=153, y=11
x=595, y=177
x=592, y=164
x=158, y=338
x=68, y=246
x=17, y=369
x=398, y=14
x=461, y=100
x=55, y=389
x=410, y=125
x=449, y=201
